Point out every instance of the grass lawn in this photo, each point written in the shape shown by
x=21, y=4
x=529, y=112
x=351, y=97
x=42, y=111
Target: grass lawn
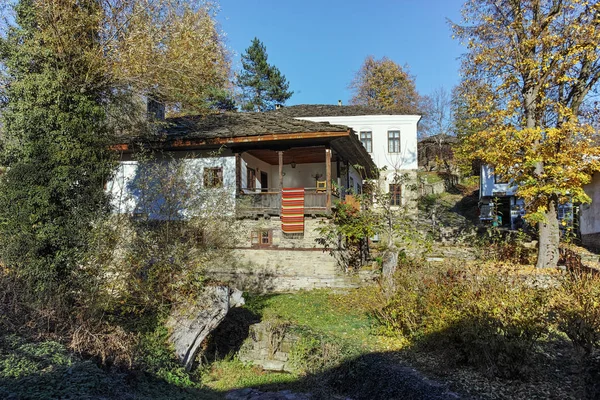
x=338, y=316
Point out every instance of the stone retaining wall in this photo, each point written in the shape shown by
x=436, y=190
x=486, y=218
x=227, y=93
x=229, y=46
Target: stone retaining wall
x=286, y=263
x=269, y=346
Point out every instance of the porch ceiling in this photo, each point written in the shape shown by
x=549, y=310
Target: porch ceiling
x=299, y=155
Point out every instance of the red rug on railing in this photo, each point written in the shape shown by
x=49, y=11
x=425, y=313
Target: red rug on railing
x=292, y=210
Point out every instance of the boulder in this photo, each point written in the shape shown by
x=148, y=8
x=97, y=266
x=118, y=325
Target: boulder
x=191, y=324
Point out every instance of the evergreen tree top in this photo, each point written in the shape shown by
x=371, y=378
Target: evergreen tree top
x=262, y=84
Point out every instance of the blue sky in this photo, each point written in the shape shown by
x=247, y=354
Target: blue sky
x=319, y=45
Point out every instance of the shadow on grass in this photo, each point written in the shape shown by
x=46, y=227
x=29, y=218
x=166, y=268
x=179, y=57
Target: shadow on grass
x=372, y=376
x=85, y=380
x=471, y=351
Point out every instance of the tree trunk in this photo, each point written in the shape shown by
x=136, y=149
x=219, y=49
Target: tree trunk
x=389, y=266
x=549, y=239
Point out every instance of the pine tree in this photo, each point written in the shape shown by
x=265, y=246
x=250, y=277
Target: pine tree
x=263, y=86
x=55, y=145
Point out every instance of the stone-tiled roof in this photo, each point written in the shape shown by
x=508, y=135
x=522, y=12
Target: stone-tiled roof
x=328, y=110
x=213, y=128
x=234, y=124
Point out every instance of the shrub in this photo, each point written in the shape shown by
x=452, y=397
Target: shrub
x=315, y=352
x=486, y=319
x=578, y=310
x=497, y=245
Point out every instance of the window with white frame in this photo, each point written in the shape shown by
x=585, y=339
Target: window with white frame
x=393, y=141
x=366, y=138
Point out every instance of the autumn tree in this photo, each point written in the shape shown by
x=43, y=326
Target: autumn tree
x=262, y=84
x=55, y=144
x=534, y=62
x=73, y=72
x=386, y=85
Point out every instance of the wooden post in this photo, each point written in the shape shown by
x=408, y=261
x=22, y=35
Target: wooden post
x=238, y=174
x=328, y=177
x=280, y=170
x=347, y=175
x=339, y=179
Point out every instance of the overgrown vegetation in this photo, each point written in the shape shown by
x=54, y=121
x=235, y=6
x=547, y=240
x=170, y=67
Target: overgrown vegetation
x=489, y=319
x=101, y=284
x=47, y=370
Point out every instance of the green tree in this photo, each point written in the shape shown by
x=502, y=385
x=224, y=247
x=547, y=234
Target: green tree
x=386, y=85
x=55, y=146
x=262, y=84
x=533, y=62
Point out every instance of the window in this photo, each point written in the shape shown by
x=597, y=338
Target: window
x=251, y=178
x=366, y=139
x=213, y=177
x=261, y=238
x=499, y=179
x=393, y=141
x=395, y=195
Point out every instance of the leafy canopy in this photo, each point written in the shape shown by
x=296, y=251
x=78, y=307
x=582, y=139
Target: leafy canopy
x=528, y=71
x=262, y=84
x=386, y=85
x=172, y=48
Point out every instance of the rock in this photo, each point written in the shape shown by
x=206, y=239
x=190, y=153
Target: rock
x=191, y=325
x=273, y=365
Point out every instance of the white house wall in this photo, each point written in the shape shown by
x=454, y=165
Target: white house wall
x=489, y=187
x=249, y=161
x=590, y=213
x=300, y=176
x=126, y=193
x=355, y=181
x=379, y=125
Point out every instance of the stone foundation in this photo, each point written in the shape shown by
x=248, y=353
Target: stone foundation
x=287, y=263
x=269, y=346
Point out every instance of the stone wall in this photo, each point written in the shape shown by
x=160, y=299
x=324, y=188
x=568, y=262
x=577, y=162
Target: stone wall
x=269, y=346
x=427, y=189
x=287, y=263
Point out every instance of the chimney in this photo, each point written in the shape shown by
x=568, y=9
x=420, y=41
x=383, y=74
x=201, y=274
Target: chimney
x=155, y=108
x=339, y=102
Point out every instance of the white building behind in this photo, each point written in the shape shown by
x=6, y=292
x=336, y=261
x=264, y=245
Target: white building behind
x=390, y=139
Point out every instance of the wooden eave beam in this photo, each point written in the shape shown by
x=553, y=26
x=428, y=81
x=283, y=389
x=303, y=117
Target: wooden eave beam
x=268, y=137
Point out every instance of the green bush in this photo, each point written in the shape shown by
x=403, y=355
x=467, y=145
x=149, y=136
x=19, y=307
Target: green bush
x=156, y=357
x=315, y=352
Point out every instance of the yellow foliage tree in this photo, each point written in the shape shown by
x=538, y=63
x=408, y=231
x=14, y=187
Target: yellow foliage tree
x=532, y=63
x=384, y=84
x=171, y=49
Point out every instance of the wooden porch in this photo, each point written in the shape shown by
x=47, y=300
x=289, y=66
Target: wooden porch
x=269, y=202
x=252, y=200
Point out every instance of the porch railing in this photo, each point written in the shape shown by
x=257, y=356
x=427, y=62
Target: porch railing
x=264, y=201
x=268, y=201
